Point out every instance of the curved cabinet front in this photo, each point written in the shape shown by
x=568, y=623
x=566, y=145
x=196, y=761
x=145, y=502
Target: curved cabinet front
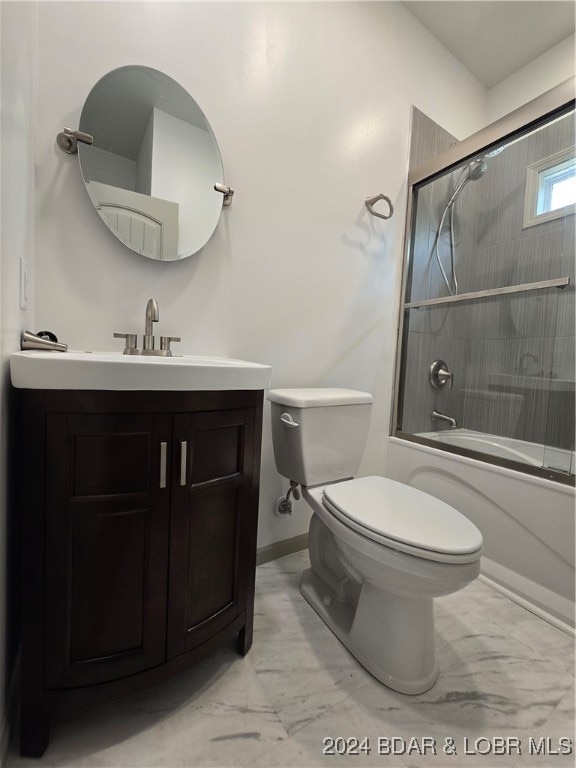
x=140, y=539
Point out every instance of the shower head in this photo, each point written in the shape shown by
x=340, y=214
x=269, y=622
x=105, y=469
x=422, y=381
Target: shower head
x=475, y=170
x=472, y=172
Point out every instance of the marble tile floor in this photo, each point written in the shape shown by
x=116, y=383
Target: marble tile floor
x=504, y=673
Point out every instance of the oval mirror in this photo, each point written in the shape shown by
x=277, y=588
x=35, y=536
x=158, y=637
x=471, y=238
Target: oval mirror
x=151, y=170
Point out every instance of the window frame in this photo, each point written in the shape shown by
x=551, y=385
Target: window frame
x=533, y=187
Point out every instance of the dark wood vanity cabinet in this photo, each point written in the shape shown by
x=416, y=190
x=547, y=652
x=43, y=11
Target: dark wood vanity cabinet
x=106, y=547
x=139, y=516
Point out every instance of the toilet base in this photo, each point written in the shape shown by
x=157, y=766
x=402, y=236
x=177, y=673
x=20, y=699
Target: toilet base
x=392, y=637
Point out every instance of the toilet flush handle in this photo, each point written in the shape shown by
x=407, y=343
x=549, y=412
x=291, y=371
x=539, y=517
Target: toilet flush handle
x=287, y=419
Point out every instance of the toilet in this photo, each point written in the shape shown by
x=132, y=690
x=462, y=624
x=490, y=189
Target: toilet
x=380, y=551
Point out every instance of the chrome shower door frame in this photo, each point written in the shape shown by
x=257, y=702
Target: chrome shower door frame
x=535, y=113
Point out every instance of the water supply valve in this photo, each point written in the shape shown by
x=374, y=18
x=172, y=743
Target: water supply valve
x=283, y=505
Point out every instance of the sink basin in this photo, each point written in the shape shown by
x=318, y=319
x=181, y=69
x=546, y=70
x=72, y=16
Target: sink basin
x=115, y=371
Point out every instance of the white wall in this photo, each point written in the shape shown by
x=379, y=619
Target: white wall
x=184, y=170
x=545, y=72
x=310, y=103
x=101, y=165
x=144, y=162
x=19, y=47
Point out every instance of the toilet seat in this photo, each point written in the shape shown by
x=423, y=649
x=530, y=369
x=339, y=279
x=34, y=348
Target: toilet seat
x=404, y=519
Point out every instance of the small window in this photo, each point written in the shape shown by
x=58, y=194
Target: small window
x=550, y=188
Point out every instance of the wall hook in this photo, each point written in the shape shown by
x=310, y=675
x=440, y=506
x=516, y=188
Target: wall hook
x=370, y=201
x=68, y=140
x=228, y=193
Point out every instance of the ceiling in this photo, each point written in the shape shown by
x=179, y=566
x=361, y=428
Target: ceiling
x=494, y=38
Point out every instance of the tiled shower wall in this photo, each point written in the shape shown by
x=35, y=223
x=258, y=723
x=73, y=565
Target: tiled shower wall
x=512, y=356
x=529, y=336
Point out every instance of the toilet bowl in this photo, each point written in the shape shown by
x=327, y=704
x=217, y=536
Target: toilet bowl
x=376, y=593
x=380, y=551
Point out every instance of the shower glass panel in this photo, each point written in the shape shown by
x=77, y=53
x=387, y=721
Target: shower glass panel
x=486, y=238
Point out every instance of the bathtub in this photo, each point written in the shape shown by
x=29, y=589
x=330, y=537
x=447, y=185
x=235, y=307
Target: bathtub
x=532, y=454
x=527, y=522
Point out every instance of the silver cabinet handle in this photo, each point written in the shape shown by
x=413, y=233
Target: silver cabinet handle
x=163, y=449
x=183, y=462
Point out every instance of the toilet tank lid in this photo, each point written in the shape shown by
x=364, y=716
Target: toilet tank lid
x=318, y=397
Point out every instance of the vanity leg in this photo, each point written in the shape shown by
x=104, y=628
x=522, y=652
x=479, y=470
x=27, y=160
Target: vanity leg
x=34, y=731
x=244, y=642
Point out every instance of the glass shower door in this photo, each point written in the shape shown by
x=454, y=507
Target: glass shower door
x=490, y=302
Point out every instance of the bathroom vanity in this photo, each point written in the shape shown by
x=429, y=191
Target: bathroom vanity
x=139, y=512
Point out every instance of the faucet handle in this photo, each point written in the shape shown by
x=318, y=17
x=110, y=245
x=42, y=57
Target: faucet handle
x=165, y=343
x=130, y=342
x=439, y=375
x=445, y=377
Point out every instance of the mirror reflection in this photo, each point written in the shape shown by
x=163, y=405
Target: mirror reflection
x=151, y=170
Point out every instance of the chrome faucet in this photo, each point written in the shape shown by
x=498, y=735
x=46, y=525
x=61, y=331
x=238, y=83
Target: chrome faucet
x=437, y=416
x=152, y=316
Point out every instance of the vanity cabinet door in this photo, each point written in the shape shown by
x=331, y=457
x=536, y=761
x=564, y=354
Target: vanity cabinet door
x=107, y=522
x=213, y=525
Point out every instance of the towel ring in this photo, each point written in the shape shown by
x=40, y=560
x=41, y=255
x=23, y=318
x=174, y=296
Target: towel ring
x=370, y=201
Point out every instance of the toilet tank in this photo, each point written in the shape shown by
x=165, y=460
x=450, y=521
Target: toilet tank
x=319, y=434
